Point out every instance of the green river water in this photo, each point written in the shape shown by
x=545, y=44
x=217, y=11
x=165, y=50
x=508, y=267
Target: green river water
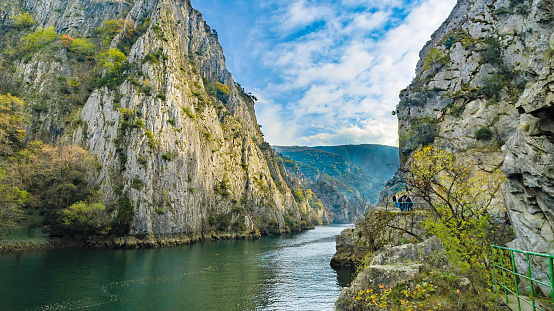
x=289, y=272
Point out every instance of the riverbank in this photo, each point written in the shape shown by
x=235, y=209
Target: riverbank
x=37, y=241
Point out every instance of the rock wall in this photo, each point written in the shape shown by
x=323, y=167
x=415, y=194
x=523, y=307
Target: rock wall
x=483, y=91
x=390, y=268
x=190, y=160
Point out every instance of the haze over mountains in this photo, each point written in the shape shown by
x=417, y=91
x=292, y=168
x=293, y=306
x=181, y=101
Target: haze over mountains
x=354, y=170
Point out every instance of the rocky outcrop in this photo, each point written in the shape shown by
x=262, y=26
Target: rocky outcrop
x=173, y=133
x=529, y=166
x=393, y=266
x=483, y=91
x=333, y=200
x=395, y=185
x=378, y=229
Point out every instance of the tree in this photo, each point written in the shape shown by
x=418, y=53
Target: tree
x=39, y=38
x=57, y=177
x=12, y=200
x=82, y=46
x=458, y=198
x=109, y=30
x=112, y=60
x=11, y=124
x=83, y=218
x=22, y=21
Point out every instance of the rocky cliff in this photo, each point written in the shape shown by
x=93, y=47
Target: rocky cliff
x=483, y=90
x=173, y=133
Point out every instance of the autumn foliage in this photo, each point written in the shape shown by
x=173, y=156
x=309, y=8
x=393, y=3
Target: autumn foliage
x=459, y=198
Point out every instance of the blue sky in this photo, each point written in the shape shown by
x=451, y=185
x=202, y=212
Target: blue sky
x=326, y=72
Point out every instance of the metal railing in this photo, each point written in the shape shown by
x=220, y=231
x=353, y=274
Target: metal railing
x=510, y=274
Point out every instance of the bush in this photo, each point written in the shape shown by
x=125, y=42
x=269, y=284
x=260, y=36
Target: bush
x=298, y=195
x=22, y=21
x=188, y=113
x=167, y=156
x=121, y=224
x=109, y=30
x=82, y=46
x=40, y=38
x=12, y=131
x=457, y=111
x=436, y=59
x=83, y=218
x=112, y=60
x=458, y=199
x=12, y=199
x=137, y=183
x=483, y=133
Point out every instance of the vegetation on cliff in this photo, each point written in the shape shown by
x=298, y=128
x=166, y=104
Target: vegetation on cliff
x=458, y=200
x=156, y=136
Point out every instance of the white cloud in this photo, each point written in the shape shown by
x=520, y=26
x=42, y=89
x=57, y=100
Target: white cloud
x=301, y=14
x=339, y=84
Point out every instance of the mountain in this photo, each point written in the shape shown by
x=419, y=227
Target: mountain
x=141, y=86
x=483, y=91
x=353, y=170
x=377, y=160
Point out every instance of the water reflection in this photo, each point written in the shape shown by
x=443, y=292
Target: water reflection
x=275, y=273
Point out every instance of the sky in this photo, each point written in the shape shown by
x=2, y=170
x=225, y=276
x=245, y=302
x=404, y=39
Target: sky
x=325, y=72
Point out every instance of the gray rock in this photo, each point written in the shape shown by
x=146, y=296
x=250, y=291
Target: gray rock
x=521, y=117
x=197, y=156
x=393, y=266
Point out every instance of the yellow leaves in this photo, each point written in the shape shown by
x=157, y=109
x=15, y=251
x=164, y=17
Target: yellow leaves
x=112, y=59
x=39, y=38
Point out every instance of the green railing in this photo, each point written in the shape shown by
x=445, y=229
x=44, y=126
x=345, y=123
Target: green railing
x=508, y=278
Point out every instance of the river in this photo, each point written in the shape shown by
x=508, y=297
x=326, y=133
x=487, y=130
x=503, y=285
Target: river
x=289, y=272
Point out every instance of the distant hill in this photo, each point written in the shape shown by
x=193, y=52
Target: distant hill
x=355, y=170
x=377, y=160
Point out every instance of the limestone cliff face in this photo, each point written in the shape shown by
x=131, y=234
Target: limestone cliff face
x=483, y=90
x=175, y=135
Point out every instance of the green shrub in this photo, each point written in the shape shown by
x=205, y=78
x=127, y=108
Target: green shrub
x=222, y=88
x=457, y=110
x=109, y=29
x=142, y=160
x=151, y=140
x=492, y=52
x=188, y=113
x=238, y=225
x=222, y=188
x=484, y=133
x=111, y=60
x=449, y=41
x=154, y=57
x=167, y=156
x=83, y=218
x=39, y=39
x=38, y=108
x=82, y=46
x=137, y=183
x=22, y=21
x=121, y=224
x=299, y=195
x=171, y=121
x=238, y=209
x=436, y=59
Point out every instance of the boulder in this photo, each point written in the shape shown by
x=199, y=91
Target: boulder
x=393, y=266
